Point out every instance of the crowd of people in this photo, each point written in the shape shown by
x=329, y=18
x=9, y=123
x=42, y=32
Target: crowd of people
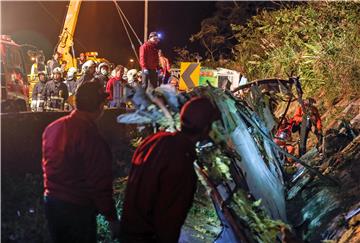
x=56, y=86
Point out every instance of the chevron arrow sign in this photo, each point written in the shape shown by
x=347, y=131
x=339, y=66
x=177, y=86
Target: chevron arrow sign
x=189, y=75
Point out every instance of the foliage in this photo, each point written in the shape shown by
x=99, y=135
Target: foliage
x=320, y=42
x=22, y=211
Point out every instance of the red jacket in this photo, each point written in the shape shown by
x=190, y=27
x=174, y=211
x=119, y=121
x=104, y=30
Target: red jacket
x=314, y=116
x=77, y=162
x=110, y=87
x=149, y=57
x=161, y=187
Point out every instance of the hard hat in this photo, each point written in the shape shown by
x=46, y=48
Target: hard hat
x=103, y=64
x=197, y=113
x=41, y=73
x=57, y=70
x=87, y=65
x=131, y=74
x=71, y=72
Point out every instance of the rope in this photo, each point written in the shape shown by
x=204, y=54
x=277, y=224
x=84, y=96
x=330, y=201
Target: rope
x=127, y=21
x=127, y=32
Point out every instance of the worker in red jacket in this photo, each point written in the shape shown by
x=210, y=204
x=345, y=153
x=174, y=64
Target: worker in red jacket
x=162, y=179
x=149, y=61
x=164, y=68
x=77, y=169
x=313, y=122
x=283, y=137
x=116, y=88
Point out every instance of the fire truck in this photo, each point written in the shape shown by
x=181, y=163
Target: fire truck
x=14, y=82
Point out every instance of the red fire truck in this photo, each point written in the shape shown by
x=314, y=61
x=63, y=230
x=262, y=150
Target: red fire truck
x=14, y=83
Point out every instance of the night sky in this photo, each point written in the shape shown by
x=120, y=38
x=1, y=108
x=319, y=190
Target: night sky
x=99, y=27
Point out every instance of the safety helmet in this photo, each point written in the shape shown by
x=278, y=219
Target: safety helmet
x=41, y=73
x=87, y=65
x=71, y=72
x=103, y=64
x=57, y=70
x=131, y=75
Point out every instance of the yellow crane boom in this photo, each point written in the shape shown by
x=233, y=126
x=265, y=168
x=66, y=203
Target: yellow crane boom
x=66, y=38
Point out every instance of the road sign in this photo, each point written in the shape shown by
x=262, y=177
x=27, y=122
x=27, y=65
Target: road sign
x=189, y=75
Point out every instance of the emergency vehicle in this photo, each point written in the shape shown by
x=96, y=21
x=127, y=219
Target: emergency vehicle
x=14, y=82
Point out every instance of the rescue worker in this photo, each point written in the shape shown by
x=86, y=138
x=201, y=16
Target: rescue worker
x=102, y=74
x=80, y=61
x=313, y=121
x=70, y=81
x=164, y=68
x=53, y=63
x=88, y=72
x=55, y=92
x=132, y=77
x=283, y=137
x=37, y=102
x=149, y=61
x=162, y=179
x=37, y=67
x=77, y=169
x=116, y=88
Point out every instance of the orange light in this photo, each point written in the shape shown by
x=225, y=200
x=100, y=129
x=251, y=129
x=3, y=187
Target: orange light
x=131, y=60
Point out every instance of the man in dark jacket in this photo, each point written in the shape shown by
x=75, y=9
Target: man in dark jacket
x=103, y=74
x=149, y=61
x=162, y=179
x=77, y=169
x=55, y=92
x=88, y=70
x=70, y=81
x=37, y=102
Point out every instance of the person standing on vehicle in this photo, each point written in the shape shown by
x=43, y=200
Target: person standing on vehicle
x=149, y=61
x=164, y=68
x=162, y=180
x=77, y=170
x=55, y=92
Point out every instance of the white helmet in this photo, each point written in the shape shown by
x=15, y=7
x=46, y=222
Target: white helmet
x=131, y=75
x=71, y=72
x=57, y=70
x=103, y=64
x=87, y=65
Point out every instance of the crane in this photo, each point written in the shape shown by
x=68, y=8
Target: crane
x=66, y=38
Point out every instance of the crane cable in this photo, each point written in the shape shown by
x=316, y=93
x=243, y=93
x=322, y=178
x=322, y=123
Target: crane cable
x=58, y=23
x=127, y=21
x=127, y=32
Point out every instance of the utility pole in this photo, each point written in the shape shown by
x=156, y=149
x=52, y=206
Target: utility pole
x=146, y=20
